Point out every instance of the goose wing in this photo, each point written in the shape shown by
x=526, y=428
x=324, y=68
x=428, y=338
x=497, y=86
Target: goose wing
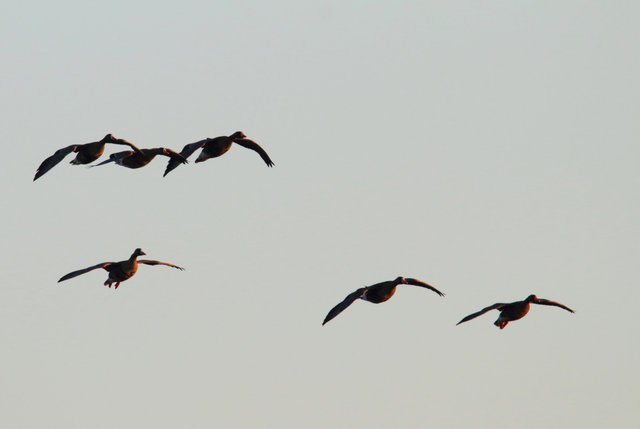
x=344, y=304
x=555, y=304
x=250, y=144
x=114, y=157
x=148, y=262
x=124, y=142
x=416, y=282
x=497, y=306
x=175, y=156
x=186, y=152
x=84, y=270
x=54, y=159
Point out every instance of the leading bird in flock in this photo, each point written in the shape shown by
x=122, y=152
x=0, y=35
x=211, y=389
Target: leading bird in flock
x=376, y=294
x=215, y=147
x=513, y=310
x=118, y=271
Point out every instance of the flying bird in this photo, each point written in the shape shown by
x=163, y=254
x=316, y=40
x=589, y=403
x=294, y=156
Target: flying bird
x=376, y=294
x=133, y=159
x=214, y=147
x=86, y=153
x=118, y=271
x=514, y=310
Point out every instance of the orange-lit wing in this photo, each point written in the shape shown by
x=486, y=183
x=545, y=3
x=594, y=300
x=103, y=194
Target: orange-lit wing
x=148, y=262
x=415, y=282
x=555, y=304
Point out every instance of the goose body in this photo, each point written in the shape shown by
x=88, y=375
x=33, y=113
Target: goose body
x=118, y=271
x=513, y=310
x=85, y=153
x=377, y=293
x=218, y=146
x=133, y=159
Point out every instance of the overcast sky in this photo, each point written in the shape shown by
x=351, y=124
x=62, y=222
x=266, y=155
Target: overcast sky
x=488, y=148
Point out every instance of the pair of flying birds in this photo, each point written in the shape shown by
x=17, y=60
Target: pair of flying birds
x=377, y=293
x=381, y=292
x=136, y=158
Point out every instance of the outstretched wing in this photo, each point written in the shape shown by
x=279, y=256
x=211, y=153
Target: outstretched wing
x=124, y=142
x=175, y=156
x=53, y=160
x=84, y=270
x=186, y=152
x=497, y=306
x=250, y=144
x=555, y=304
x=344, y=304
x=415, y=282
x=114, y=157
x=148, y=262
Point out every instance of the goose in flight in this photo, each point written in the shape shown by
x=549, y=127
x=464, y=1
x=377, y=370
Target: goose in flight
x=118, y=271
x=133, y=159
x=376, y=294
x=86, y=153
x=214, y=147
x=514, y=310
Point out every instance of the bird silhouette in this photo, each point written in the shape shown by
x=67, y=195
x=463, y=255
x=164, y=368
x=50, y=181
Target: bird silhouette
x=86, y=153
x=377, y=293
x=514, y=310
x=118, y=271
x=217, y=146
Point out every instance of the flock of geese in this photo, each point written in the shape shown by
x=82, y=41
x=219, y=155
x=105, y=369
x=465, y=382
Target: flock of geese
x=215, y=147
x=136, y=158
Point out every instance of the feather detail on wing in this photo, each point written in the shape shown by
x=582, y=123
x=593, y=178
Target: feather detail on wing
x=250, y=144
x=83, y=271
x=344, y=304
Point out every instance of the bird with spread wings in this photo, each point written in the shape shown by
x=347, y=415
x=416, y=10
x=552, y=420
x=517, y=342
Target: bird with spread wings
x=376, y=294
x=513, y=310
x=215, y=147
x=118, y=271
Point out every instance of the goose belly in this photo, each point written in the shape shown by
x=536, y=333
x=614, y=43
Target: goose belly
x=213, y=151
x=378, y=296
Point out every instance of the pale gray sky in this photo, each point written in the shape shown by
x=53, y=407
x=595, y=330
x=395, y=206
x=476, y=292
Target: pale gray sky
x=488, y=148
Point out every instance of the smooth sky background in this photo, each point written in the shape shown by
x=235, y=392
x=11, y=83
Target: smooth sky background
x=488, y=148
